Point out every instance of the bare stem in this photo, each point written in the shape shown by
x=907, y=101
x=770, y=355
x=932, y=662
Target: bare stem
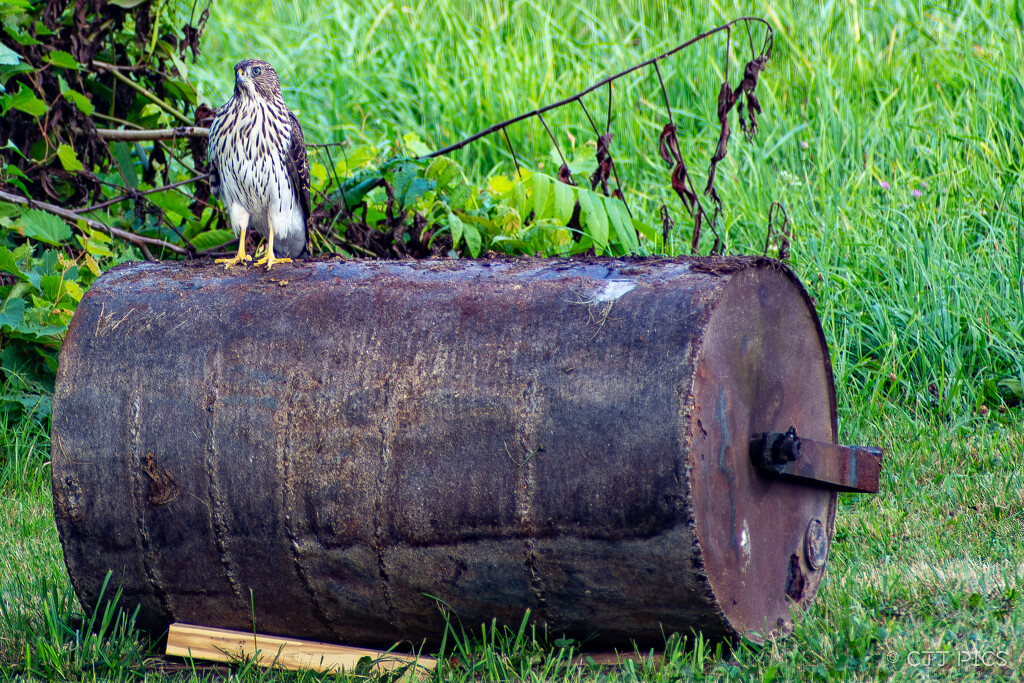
x=148, y=94
x=573, y=98
x=73, y=217
x=155, y=134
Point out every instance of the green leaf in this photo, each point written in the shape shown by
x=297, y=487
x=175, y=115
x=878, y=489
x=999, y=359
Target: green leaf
x=175, y=204
x=49, y=285
x=11, y=312
x=622, y=223
x=123, y=157
x=212, y=238
x=13, y=172
x=172, y=54
x=19, y=35
x=444, y=171
x=80, y=101
x=541, y=189
x=473, y=240
x=8, y=56
x=11, y=168
x=519, y=198
x=24, y=101
x=68, y=159
x=415, y=145
x=45, y=227
x=455, y=223
x=9, y=263
x=354, y=160
x=595, y=221
x=647, y=231
x=408, y=185
x=181, y=90
x=39, y=404
x=39, y=329
x=565, y=203
x=127, y=4
x=355, y=189
x=195, y=226
x=61, y=59
x=1014, y=386
x=460, y=196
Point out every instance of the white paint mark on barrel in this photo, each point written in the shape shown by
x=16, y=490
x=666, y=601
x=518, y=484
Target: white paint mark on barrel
x=745, y=545
x=613, y=289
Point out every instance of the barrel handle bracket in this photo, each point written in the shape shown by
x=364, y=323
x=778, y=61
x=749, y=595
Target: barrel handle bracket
x=843, y=468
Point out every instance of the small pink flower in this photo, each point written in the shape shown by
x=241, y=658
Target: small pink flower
x=916, y=193
x=884, y=184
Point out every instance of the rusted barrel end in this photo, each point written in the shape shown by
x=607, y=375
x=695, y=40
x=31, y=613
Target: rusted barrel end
x=333, y=445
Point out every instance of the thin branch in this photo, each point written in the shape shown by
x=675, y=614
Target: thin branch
x=608, y=125
x=73, y=217
x=519, y=174
x=155, y=134
x=116, y=120
x=573, y=98
x=664, y=94
x=118, y=200
x=565, y=164
x=622, y=196
x=170, y=152
x=148, y=94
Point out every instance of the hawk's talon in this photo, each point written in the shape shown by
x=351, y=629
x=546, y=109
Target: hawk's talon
x=271, y=260
x=228, y=262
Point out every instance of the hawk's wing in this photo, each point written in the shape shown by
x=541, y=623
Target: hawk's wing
x=298, y=169
x=211, y=152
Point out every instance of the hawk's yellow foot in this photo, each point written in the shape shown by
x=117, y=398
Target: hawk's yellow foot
x=228, y=262
x=241, y=256
x=270, y=260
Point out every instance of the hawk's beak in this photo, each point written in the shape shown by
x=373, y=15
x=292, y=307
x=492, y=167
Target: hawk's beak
x=238, y=77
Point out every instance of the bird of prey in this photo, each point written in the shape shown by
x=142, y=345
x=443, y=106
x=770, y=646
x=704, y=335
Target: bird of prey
x=258, y=165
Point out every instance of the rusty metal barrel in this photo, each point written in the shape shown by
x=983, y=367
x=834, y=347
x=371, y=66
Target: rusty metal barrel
x=338, y=449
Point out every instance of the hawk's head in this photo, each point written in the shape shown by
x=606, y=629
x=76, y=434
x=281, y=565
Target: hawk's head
x=254, y=77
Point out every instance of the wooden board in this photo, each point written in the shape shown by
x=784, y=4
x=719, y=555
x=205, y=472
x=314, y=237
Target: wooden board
x=222, y=645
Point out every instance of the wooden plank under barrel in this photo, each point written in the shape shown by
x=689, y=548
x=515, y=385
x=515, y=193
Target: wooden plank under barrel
x=335, y=444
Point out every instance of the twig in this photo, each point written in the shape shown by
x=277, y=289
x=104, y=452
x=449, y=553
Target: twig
x=118, y=121
x=519, y=174
x=148, y=94
x=118, y=200
x=155, y=134
x=95, y=225
x=565, y=164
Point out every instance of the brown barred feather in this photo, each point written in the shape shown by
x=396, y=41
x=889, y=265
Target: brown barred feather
x=298, y=167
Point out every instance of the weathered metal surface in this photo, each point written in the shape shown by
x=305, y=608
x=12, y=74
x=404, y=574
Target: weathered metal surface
x=844, y=468
x=329, y=444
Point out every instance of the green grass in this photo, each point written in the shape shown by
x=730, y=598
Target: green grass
x=894, y=137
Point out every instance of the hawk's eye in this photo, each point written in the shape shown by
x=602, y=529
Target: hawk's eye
x=256, y=71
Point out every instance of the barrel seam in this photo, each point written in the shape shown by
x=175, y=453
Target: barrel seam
x=526, y=486
x=219, y=526
x=139, y=498
x=287, y=493
x=378, y=510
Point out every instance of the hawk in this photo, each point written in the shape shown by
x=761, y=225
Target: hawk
x=258, y=165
